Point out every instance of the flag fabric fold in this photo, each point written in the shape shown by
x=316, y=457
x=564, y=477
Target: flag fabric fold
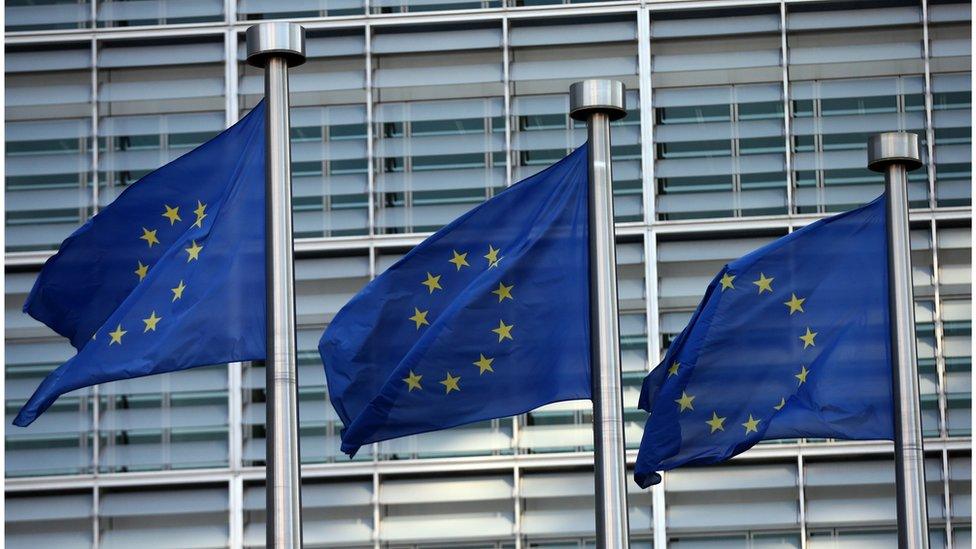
x=168, y=276
x=486, y=318
x=789, y=341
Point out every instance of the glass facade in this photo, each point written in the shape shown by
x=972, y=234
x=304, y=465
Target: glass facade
x=745, y=121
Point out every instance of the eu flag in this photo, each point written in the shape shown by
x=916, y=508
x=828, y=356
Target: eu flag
x=484, y=319
x=167, y=277
x=789, y=341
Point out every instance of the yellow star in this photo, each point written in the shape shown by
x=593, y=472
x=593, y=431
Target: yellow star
x=459, y=260
x=751, y=425
x=432, y=283
x=173, y=214
x=419, y=317
x=673, y=370
x=201, y=213
x=117, y=335
x=716, y=423
x=450, y=383
x=495, y=264
x=149, y=236
x=795, y=304
x=727, y=281
x=151, y=322
x=808, y=338
x=412, y=381
x=782, y=402
x=765, y=284
x=178, y=291
x=484, y=364
x=802, y=376
x=503, y=330
x=685, y=401
x=492, y=255
x=142, y=270
x=504, y=292
x=193, y=251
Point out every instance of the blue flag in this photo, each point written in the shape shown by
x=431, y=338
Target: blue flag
x=486, y=318
x=790, y=341
x=167, y=277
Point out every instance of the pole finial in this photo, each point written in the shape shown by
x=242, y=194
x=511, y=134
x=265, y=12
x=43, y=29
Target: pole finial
x=597, y=95
x=889, y=148
x=275, y=39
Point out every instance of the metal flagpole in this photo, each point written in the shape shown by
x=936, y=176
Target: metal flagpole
x=894, y=154
x=598, y=102
x=275, y=47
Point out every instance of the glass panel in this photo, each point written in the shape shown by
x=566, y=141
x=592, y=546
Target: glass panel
x=334, y=514
x=952, y=120
x=35, y=15
x=720, y=146
x=546, y=57
x=183, y=517
x=48, y=145
x=844, y=87
x=439, y=125
x=322, y=287
x=127, y=13
x=52, y=520
x=329, y=134
x=157, y=101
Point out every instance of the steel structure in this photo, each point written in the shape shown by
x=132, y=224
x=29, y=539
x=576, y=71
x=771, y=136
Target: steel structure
x=719, y=91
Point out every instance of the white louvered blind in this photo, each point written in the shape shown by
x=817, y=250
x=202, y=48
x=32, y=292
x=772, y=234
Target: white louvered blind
x=439, y=131
x=127, y=13
x=846, y=86
x=156, y=102
x=48, y=145
x=439, y=508
x=952, y=121
x=832, y=122
x=561, y=504
x=718, y=97
x=333, y=513
x=188, y=518
x=322, y=287
x=62, y=520
x=261, y=9
x=328, y=132
x=751, y=497
x=545, y=59
x=59, y=441
x=27, y=15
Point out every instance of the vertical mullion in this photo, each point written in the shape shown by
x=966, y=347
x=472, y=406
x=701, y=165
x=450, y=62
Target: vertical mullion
x=96, y=504
x=95, y=410
x=517, y=505
x=376, y=506
x=645, y=97
x=235, y=506
x=929, y=129
x=801, y=495
x=939, y=333
x=370, y=147
x=787, y=111
x=507, y=77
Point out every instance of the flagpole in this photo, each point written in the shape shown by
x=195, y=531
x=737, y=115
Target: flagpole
x=598, y=102
x=275, y=47
x=894, y=154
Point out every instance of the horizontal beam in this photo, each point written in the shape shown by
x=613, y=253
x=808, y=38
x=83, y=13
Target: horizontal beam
x=390, y=19
x=524, y=462
x=313, y=246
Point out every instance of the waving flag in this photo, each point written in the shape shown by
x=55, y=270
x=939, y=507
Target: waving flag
x=790, y=341
x=167, y=277
x=486, y=318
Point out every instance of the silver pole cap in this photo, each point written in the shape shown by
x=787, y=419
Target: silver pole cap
x=275, y=39
x=606, y=96
x=885, y=149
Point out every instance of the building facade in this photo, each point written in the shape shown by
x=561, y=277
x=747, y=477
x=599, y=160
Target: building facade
x=747, y=119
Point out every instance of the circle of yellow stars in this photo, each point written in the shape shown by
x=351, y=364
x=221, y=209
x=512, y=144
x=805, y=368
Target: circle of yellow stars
x=504, y=331
x=151, y=237
x=763, y=284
